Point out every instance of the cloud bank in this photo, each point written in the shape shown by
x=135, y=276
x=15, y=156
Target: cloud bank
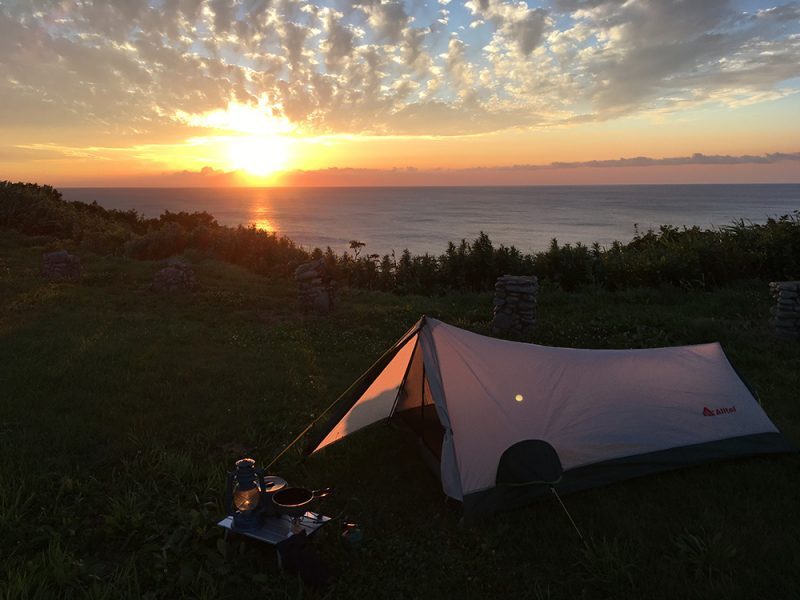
x=641, y=169
x=694, y=159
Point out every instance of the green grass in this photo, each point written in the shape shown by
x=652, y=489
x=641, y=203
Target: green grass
x=120, y=411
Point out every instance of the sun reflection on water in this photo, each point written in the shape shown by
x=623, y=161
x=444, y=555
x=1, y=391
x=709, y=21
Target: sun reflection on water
x=261, y=218
x=265, y=225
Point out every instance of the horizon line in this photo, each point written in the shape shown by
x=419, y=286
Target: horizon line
x=465, y=186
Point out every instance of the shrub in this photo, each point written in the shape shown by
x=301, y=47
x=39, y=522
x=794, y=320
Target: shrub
x=167, y=240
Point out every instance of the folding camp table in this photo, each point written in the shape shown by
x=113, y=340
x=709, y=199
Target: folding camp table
x=276, y=529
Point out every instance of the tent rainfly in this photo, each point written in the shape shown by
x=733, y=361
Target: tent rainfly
x=610, y=414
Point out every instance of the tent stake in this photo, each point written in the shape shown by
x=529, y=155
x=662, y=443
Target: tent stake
x=569, y=516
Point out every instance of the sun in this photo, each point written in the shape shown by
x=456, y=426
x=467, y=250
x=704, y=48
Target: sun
x=254, y=139
x=258, y=156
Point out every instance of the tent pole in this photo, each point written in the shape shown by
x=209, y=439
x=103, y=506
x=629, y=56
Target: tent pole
x=569, y=516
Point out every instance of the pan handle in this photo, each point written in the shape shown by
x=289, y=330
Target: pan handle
x=322, y=493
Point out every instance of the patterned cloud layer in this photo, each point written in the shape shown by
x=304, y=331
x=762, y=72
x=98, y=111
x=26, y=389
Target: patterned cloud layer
x=386, y=67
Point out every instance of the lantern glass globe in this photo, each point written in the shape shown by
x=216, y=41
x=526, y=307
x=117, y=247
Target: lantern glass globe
x=246, y=500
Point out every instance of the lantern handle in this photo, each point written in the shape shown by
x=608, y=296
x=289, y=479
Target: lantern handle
x=260, y=475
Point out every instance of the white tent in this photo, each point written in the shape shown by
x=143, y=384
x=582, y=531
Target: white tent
x=609, y=414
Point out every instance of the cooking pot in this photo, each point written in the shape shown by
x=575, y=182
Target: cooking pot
x=271, y=484
x=294, y=501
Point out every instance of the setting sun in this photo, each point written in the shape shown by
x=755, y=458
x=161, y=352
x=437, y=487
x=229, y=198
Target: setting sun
x=258, y=156
x=253, y=139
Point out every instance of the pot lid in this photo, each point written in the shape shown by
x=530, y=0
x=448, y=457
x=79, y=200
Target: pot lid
x=273, y=483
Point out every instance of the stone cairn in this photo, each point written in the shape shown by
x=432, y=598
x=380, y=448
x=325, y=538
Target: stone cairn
x=317, y=287
x=175, y=277
x=61, y=266
x=787, y=310
x=515, y=305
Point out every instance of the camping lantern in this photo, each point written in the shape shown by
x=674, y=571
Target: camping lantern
x=243, y=494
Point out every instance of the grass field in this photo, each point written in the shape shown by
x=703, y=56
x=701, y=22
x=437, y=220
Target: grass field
x=120, y=411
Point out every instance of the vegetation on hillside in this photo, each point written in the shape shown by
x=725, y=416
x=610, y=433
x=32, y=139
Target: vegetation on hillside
x=121, y=409
x=40, y=210
x=689, y=256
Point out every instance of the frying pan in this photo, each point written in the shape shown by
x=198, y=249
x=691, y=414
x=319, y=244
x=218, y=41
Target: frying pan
x=294, y=501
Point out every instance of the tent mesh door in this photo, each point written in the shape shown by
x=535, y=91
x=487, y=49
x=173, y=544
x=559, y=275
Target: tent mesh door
x=415, y=406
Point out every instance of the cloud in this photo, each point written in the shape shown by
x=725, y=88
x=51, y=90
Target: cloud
x=455, y=61
x=338, y=45
x=134, y=67
x=205, y=177
x=17, y=154
x=388, y=19
x=515, y=21
x=466, y=118
x=642, y=169
x=694, y=159
x=650, y=53
x=223, y=14
x=414, y=55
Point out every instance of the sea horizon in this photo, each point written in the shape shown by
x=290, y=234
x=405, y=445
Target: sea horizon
x=499, y=185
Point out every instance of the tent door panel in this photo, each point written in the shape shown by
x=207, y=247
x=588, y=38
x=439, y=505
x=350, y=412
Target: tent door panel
x=427, y=428
x=432, y=430
x=416, y=410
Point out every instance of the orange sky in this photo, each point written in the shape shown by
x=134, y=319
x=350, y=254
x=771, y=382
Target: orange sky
x=389, y=92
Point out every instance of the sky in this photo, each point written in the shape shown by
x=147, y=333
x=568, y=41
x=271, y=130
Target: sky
x=393, y=92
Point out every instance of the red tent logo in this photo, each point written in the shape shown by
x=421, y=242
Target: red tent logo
x=708, y=412
x=728, y=410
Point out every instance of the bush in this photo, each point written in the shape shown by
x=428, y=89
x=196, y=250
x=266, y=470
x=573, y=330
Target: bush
x=34, y=210
x=166, y=241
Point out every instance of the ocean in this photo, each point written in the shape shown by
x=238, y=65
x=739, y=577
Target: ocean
x=425, y=219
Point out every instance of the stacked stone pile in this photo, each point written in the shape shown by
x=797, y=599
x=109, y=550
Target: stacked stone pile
x=317, y=289
x=515, y=305
x=61, y=266
x=787, y=310
x=175, y=277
